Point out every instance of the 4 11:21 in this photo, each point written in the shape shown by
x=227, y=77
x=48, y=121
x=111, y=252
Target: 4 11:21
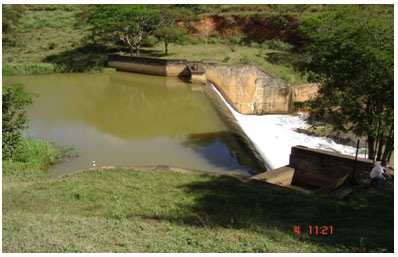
x=316, y=230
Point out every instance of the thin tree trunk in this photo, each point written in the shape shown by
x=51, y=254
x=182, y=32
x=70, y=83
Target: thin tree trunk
x=389, y=156
x=389, y=146
x=377, y=141
x=371, y=144
x=380, y=148
x=166, y=47
x=131, y=50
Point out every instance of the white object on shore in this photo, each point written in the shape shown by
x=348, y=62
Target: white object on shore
x=93, y=164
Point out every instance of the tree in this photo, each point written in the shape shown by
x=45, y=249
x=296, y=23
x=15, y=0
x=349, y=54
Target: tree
x=169, y=31
x=11, y=16
x=169, y=35
x=350, y=52
x=15, y=99
x=129, y=23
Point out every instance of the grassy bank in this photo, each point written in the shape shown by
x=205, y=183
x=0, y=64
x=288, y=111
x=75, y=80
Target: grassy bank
x=55, y=38
x=127, y=210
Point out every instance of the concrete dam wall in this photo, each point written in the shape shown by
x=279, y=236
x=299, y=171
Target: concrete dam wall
x=248, y=89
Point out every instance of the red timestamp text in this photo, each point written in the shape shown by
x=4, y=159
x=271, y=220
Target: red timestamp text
x=314, y=230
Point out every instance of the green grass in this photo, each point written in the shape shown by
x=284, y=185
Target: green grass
x=52, y=39
x=43, y=31
x=126, y=210
x=32, y=162
x=238, y=55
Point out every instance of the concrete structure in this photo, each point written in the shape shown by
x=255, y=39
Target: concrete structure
x=315, y=170
x=153, y=66
x=305, y=92
x=248, y=89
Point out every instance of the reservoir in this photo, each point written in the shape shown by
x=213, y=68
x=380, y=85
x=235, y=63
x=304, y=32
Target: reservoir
x=127, y=119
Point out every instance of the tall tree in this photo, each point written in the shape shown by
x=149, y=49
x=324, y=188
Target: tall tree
x=129, y=23
x=350, y=52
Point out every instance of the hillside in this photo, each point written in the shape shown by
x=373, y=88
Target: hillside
x=56, y=38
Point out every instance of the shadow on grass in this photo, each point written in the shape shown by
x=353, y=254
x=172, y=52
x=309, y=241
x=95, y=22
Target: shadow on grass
x=145, y=52
x=362, y=224
x=82, y=59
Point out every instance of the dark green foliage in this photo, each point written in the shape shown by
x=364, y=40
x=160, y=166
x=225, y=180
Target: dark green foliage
x=276, y=45
x=11, y=16
x=350, y=52
x=15, y=99
x=129, y=23
x=150, y=41
x=169, y=35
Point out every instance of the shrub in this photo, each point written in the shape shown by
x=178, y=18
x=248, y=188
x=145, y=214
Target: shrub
x=276, y=45
x=150, y=41
x=15, y=99
x=195, y=41
x=213, y=41
x=226, y=59
x=183, y=40
x=254, y=45
x=214, y=35
x=52, y=45
x=245, y=59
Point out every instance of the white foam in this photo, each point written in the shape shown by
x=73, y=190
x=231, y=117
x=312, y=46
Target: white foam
x=274, y=136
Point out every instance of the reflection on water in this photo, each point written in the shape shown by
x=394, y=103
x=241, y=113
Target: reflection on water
x=225, y=150
x=130, y=119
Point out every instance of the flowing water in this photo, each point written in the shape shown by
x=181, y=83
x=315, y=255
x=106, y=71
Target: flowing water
x=126, y=119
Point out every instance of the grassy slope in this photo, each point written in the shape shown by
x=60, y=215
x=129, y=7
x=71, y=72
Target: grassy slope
x=53, y=41
x=38, y=29
x=141, y=211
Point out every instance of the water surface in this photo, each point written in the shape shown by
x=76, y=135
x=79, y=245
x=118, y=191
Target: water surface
x=126, y=119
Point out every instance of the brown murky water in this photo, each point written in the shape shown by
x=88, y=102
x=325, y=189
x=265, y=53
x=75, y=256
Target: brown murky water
x=125, y=119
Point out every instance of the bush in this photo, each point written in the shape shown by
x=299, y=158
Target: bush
x=214, y=35
x=15, y=99
x=150, y=41
x=226, y=59
x=183, y=40
x=245, y=59
x=254, y=45
x=52, y=45
x=213, y=41
x=195, y=41
x=276, y=45
x=32, y=160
